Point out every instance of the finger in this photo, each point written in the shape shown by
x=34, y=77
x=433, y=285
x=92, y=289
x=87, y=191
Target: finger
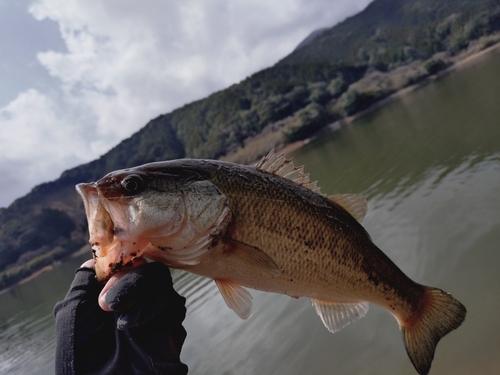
x=136, y=287
x=88, y=264
x=114, y=279
x=102, y=296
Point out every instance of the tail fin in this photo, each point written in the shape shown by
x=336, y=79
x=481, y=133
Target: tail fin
x=440, y=314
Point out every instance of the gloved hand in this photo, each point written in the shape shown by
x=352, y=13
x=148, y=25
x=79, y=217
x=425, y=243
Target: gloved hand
x=142, y=334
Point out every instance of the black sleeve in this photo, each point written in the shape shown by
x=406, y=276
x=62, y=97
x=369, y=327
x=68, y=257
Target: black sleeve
x=144, y=334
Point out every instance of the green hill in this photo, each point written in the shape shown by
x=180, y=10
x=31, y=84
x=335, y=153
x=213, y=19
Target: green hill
x=337, y=73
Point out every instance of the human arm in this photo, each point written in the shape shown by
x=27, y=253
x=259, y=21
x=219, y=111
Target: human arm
x=142, y=334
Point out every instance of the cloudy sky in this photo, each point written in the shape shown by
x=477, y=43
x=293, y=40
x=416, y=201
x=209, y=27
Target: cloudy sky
x=76, y=77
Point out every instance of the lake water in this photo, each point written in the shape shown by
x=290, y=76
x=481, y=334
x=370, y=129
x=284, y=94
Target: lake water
x=429, y=166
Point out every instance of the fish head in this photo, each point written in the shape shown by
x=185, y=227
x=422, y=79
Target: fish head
x=172, y=217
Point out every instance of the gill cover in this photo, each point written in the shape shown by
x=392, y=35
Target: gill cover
x=200, y=220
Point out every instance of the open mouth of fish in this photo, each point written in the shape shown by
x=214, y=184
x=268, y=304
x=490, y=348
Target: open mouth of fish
x=112, y=245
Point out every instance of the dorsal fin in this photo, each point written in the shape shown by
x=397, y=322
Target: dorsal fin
x=279, y=165
x=353, y=203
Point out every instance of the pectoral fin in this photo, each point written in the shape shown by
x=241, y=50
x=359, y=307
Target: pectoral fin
x=251, y=255
x=336, y=316
x=236, y=297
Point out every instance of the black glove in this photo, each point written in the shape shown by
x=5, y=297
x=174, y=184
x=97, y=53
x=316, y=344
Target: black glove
x=143, y=334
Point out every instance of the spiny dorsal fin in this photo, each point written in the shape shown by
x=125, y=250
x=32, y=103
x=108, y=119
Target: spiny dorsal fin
x=336, y=316
x=237, y=298
x=283, y=167
x=353, y=203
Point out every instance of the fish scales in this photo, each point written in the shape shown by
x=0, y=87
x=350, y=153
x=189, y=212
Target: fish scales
x=274, y=214
x=265, y=227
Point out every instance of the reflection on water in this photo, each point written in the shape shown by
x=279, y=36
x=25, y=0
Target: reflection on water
x=429, y=165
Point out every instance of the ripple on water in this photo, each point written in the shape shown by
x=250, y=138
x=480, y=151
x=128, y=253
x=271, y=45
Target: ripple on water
x=27, y=345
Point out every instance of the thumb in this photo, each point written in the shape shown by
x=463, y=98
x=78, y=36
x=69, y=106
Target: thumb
x=114, y=279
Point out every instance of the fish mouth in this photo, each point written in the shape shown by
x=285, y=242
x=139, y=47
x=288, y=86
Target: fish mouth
x=111, y=248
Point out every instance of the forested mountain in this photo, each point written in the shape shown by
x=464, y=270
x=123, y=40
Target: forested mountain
x=396, y=31
x=338, y=72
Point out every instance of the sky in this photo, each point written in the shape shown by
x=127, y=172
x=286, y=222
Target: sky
x=77, y=77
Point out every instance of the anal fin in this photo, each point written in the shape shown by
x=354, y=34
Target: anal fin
x=237, y=298
x=336, y=316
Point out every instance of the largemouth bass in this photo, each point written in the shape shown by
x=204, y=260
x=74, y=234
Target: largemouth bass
x=266, y=227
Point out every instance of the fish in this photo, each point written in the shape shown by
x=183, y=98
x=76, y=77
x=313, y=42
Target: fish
x=266, y=227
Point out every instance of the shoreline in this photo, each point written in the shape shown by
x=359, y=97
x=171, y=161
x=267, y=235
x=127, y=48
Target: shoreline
x=48, y=268
x=271, y=137
x=460, y=63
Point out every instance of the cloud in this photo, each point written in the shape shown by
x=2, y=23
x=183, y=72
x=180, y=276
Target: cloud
x=129, y=61
x=34, y=139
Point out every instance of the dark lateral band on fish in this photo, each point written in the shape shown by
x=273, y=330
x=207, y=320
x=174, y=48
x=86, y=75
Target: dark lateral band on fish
x=266, y=227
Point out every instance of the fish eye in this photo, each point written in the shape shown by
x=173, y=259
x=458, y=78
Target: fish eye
x=132, y=184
